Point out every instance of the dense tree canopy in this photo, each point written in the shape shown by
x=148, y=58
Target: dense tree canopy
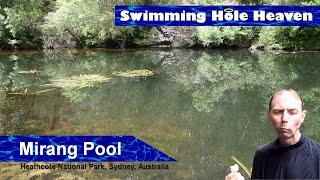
x=79, y=23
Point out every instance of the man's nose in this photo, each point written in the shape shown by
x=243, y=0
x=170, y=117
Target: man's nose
x=285, y=116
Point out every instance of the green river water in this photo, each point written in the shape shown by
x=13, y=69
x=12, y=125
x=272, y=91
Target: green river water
x=201, y=108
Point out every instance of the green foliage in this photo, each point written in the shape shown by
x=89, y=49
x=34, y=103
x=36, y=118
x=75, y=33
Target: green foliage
x=311, y=2
x=20, y=27
x=268, y=35
x=226, y=36
x=2, y=31
x=81, y=23
x=208, y=35
x=86, y=23
x=207, y=2
x=76, y=21
x=301, y=38
x=279, y=2
x=291, y=38
x=130, y=36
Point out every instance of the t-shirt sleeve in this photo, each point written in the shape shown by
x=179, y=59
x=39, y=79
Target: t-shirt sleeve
x=256, y=167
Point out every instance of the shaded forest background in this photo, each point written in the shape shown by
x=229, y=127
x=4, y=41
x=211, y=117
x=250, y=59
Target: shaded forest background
x=37, y=24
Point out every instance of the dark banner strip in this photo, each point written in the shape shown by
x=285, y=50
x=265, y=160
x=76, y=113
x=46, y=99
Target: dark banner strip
x=217, y=15
x=78, y=149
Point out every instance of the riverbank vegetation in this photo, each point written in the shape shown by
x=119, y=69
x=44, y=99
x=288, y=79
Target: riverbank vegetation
x=51, y=24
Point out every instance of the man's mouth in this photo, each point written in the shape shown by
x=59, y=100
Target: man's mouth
x=283, y=129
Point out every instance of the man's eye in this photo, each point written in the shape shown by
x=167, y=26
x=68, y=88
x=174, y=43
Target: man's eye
x=293, y=112
x=276, y=112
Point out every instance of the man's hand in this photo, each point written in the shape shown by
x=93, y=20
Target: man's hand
x=234, y=176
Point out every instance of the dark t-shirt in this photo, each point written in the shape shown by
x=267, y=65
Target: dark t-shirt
x=298, y=161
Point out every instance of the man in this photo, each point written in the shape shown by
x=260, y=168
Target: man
x=292, y=155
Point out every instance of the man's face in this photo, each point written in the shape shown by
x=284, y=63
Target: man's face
x=286, y=114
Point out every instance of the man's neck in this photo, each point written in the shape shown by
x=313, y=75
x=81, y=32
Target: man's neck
x=290, y=141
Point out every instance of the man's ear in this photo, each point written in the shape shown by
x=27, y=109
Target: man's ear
x=269, y=114
x=304, y=114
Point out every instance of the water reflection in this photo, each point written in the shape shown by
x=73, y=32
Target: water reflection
x=202, y=108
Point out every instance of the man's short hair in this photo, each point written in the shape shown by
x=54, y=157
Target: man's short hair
x=286, y=90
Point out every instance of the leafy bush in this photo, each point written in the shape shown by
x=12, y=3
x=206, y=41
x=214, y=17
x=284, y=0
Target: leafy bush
x=84, y=23
x=77, y=22
x=291, y=38
x=267, y=35
x=81, y=23
x=21, y=23
x=208, y=35
x=225, y=36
